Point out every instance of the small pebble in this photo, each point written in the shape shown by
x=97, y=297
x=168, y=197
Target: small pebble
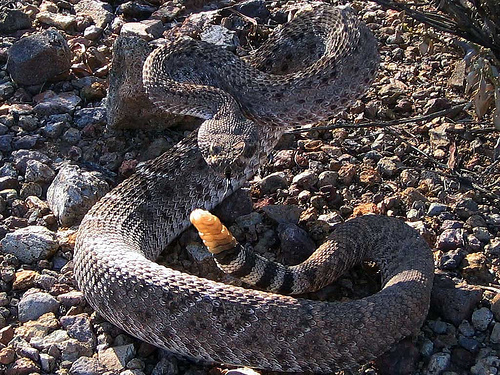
x=481, y=318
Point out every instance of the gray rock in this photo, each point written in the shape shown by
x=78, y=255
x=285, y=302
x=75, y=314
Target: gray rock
x=495, y=334
x=436, y=208
x=327, y=178
x=165, y=366
x=493, y=248
x=452, y=259
x=127, y=104
x=147, y=29
x=86, y=366
x=72, y=136
x=296, y=245
x=30, y=244
x=486, y=366
x=436, y=104
x=427, y=348
x=7, y=89
x=388, y=166
x=38, y=58
x=454, y=302
x=6, y=142
x=116, y=358
x=79, y=327
x=466, y=329
x=198, y=251
x=73, y=192
x=58, y=20
x=31, y=188
x=249, y=221
x=450, y=239
x=469, y=343
x=70, y=349
x=395, y=38
x=53, y=103
x=289, y=213
x=72, y=298
x=482, y=234
x=47, y=362
x=12, y=20
x=438, y=363
x=474, y=244
x=38, y=172
x=27, y=141
x=452, y=224
x=220, y=36
x=237, y=204
x=306, y=179
x=273, y=182
x=90, y=116
x=92, y=32
x=28, y=123
x=481, y=318
x=466, y=208
x=438, y=326
x=100, y=12
x=53, y=129
x=34, y=305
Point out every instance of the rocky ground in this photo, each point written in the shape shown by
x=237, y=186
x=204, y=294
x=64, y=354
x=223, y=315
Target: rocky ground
x=440, y=172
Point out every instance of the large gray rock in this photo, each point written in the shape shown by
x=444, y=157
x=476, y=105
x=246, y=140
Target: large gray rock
x=38, y=58
x=100, y=12
x=73, y=192
x=453, y=301
x=34, y=305
x=86, y=366
x=128, y=105
x=30, y=244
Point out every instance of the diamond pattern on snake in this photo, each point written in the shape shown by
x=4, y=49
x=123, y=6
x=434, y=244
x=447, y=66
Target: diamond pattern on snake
x=247, y=105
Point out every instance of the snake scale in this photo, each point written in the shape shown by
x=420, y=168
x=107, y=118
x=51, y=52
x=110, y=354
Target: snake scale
x=123, y=234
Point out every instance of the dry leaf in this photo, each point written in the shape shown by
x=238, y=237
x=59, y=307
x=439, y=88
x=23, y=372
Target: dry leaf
x=483, y=97
x=496, y=113
x=471, y=80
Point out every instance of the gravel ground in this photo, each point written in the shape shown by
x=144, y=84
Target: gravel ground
x=439, y=172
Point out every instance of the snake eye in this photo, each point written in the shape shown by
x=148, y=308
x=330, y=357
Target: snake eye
x=215, y=149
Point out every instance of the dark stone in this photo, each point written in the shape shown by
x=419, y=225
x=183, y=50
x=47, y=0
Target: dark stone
x=466, y=208
x=237, y=204
x=8, y=182
x=462, y=358
x=135, y=10
x=296, y=245
x=453, y=301
x=6, y=142
x=26, y=142
x=38, y=58
x=400, y=360
x=12, y=20
x=452, y=259
x=469, y=343
x=436, y=105
x=273, y=182
x=289, y=213
x=90, y=116
x=254, y=9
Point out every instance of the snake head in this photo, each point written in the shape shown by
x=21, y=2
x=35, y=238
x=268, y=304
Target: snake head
x=230, y=148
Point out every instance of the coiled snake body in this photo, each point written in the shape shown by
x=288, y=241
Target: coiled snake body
x=127, y=229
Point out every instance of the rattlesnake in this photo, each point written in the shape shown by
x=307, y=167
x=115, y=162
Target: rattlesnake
x=127, y=229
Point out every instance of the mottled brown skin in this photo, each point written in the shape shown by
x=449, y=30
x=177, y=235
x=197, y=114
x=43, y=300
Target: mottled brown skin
x=124, y=232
